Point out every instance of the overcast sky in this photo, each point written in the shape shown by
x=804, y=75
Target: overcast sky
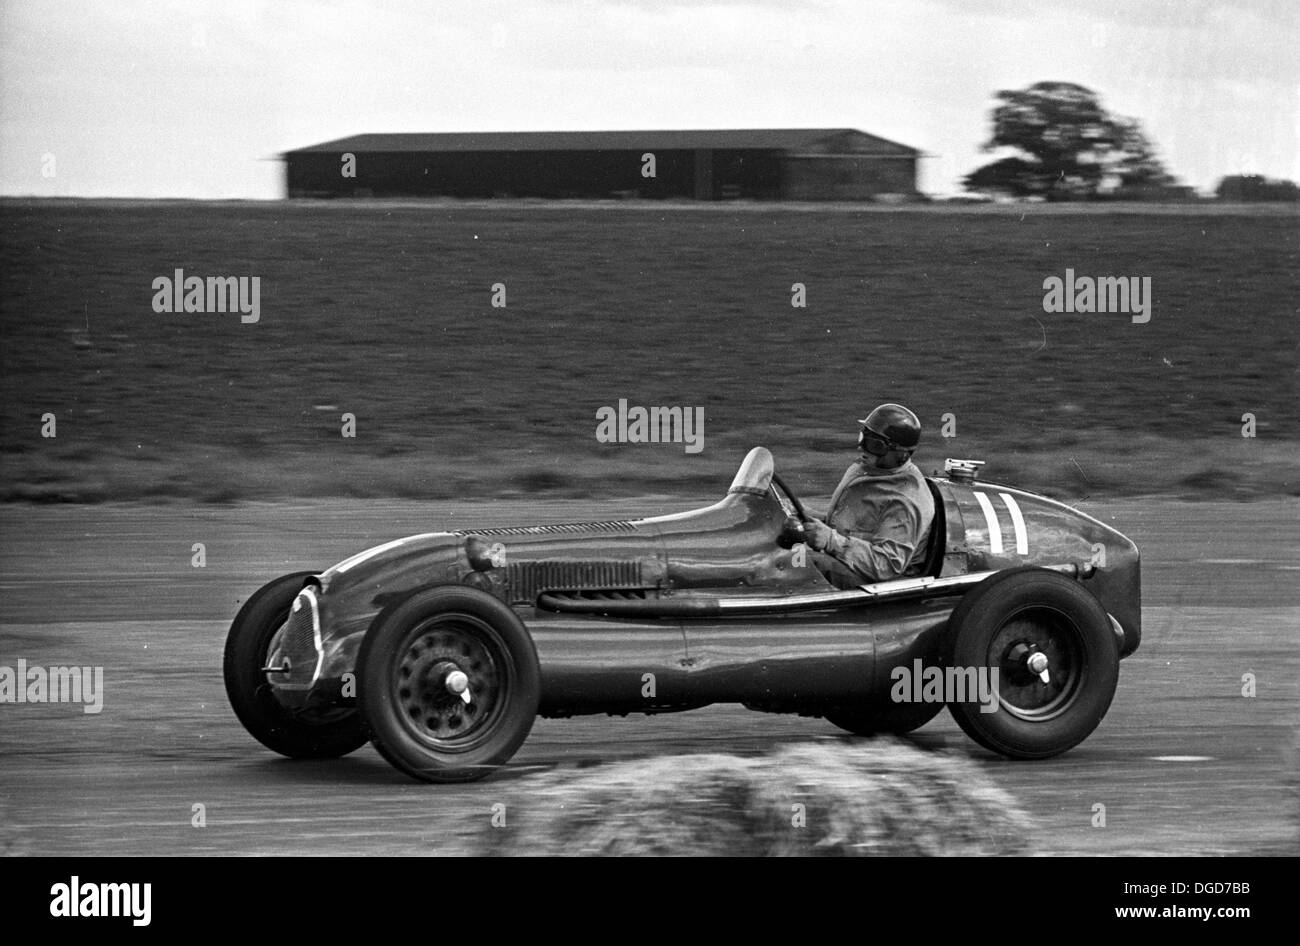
x=177, y=99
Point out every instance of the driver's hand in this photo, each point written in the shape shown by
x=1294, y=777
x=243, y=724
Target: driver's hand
x=818, y=534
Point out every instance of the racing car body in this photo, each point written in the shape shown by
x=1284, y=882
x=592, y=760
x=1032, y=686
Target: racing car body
x=443, y=647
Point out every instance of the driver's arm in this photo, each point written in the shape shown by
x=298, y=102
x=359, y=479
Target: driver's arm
x=881, y=556
x=874, y=560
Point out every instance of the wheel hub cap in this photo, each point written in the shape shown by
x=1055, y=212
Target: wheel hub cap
x=1037, y=663
x=458, y=683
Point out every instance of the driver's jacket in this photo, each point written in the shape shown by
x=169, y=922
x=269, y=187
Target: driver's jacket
x=881, y=520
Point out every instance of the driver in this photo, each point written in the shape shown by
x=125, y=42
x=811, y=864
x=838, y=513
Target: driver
x=880, y=515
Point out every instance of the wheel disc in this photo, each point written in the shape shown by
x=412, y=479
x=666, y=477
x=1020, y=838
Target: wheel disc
x=1021, y=691
x=426, y=662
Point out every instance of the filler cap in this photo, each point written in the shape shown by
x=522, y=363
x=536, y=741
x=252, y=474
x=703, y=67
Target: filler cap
x=962, y=471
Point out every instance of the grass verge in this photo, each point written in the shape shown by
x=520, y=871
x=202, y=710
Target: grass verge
x=828, y=799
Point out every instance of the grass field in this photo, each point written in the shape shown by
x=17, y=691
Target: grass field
x=384, y=311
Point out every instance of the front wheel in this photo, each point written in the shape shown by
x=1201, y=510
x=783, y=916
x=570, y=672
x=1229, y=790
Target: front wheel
x=448, y=683
x=1047, y=645
x=318, y=734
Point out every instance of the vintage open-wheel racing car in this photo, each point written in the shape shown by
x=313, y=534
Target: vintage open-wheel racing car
x=443, y=647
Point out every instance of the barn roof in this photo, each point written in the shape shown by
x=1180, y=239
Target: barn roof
x=768, y=139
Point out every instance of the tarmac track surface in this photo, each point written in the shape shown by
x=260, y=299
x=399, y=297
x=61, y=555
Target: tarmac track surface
x=1183, y=763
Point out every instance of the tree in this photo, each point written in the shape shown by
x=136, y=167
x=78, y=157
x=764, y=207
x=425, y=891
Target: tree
x=1014, y=176
x=1134, y=163
x=1070, y=147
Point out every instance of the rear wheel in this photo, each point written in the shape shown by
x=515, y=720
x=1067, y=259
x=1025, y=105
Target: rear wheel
x=308, y=734
x=1056, y=661
x=449, y=684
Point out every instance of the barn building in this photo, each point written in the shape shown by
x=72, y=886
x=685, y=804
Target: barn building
x=761, y=164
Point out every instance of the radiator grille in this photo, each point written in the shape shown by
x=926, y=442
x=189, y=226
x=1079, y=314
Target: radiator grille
x=526, y=580
x=299, y=642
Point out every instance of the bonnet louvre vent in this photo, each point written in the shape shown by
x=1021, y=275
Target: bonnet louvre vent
x=526, y=580
x=564, y=528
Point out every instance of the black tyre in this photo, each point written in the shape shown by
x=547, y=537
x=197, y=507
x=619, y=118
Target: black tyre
x=320, y=734
x=405, y=670
x=893, y=720
x=1002, y=623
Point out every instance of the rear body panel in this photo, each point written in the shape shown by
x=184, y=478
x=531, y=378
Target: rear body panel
x=1007, y=528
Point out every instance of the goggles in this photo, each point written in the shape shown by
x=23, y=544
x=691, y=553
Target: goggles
x=873, y=443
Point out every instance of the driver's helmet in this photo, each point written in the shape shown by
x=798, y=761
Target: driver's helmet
x=894, y=424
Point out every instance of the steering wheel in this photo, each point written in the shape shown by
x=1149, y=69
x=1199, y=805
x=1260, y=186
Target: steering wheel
x=788, y=500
